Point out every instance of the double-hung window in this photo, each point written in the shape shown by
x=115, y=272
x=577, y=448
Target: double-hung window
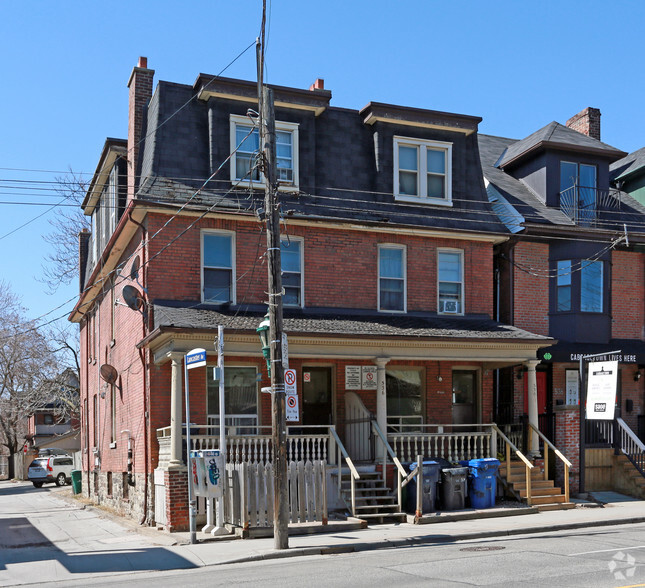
x=391, y=274
x=422, y=171
x=240, y=398
x=291, y=258
x=584, y=276
x=245, y=141
x=218, y=268
x=450, y=271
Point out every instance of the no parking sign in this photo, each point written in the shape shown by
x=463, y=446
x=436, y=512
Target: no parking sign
x=292, y=412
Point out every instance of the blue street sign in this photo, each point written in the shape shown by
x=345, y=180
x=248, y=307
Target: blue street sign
x=195, y=358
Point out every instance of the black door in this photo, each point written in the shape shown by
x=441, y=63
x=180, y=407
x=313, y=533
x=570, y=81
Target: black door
x=316, y=396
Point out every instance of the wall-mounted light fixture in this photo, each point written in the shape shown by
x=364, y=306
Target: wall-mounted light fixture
x=637, y=375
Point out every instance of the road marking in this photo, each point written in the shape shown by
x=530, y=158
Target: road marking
x=609, y=551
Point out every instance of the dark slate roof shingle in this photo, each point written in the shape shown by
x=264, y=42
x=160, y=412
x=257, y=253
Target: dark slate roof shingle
x=200, y=317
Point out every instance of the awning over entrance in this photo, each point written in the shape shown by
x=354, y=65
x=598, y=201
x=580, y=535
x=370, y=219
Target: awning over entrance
x=631, y=351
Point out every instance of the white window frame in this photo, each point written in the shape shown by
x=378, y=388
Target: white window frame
x=230, y=234
x=233, y=420
x=402, y=248
x=422, y=145
x=300, y=240
x=462, y=298
x=288, y=127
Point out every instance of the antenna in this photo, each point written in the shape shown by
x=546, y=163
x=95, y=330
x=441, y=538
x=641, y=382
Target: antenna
x=132, y=297
x=108, y=373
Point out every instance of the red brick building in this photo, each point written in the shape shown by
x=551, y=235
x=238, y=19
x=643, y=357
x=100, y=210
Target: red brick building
x=388, y=256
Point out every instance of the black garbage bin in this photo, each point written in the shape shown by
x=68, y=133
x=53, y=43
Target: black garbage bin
x=454, y=488
x=430, y=473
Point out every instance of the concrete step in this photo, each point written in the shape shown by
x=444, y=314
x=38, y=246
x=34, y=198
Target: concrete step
x=555, y=506
x=375, y=519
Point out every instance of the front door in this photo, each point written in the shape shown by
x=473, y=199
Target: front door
x=540, y=379
x=464, y=397
x=317, y=396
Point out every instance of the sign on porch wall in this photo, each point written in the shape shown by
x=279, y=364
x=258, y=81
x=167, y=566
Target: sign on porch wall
x=601, y=390
x=359, y=377
x=571, y=382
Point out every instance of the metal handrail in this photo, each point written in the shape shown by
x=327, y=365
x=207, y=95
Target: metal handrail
x=528, y=466
x=400, y=469
x=342, y=452
x=558, y=454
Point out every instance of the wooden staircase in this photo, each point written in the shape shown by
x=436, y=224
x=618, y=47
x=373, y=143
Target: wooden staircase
x=633, y=480
x=544, y=494
x=375, y=502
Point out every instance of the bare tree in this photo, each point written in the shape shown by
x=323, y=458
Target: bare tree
x=61, y=264
x=26, y=362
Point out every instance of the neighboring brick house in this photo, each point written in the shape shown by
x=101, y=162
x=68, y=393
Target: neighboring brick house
x=388, y=265
x=566, y=272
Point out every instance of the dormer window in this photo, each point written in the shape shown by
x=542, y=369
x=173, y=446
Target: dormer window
x=578, y=193
x=422, y=171
x=246, y=139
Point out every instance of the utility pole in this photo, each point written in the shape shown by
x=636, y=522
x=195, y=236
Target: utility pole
x=278, y=417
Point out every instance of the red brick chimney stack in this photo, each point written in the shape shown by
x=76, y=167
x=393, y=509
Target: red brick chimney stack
x=140, y=85
x=586, y=122
x=319, y=84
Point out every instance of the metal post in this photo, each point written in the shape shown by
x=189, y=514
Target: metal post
x=220, y=529
x=192, y=502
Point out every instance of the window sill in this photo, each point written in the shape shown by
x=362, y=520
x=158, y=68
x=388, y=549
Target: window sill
x=422, y=200
x=112, y=342
x=113, y=445
x=387, y=311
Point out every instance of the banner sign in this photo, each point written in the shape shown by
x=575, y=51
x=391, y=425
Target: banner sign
x=601, y=390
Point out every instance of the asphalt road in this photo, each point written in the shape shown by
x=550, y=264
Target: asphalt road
x=607, y=556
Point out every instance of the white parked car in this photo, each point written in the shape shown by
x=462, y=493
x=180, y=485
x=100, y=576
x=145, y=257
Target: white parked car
x=55, y=468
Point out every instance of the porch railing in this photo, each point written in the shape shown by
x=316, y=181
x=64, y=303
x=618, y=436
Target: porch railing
x=599, y=433
x=353, y=472
x=304, y=443
x=631, y=446
x=451, y=442
x=564, y=460
x=528, y=466
x=387, y=450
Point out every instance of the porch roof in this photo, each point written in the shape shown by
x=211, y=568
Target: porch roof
x=337, y=322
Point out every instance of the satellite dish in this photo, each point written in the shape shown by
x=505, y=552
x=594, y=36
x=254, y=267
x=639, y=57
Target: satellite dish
x=134, y=270
x=108, y=373
x=132, y=297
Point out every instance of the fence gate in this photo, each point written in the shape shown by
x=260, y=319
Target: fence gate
x=249, y=493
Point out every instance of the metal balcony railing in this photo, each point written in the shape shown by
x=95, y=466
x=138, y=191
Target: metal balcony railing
x=584, y=204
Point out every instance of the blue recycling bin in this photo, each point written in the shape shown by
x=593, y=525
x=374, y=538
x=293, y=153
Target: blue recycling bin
x=483, y=482
x=430, y=472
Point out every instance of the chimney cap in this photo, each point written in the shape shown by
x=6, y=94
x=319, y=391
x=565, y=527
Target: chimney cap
x=143, y=62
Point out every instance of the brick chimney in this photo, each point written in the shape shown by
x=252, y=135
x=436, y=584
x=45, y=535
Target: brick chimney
x=140, y=85
x=586, y=122
x=319, y=84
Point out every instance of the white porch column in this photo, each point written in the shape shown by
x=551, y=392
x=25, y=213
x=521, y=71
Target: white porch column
x=534, y=442
x=381, y=395
x=176, y=386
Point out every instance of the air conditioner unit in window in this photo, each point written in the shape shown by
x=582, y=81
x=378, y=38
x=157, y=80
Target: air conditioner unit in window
x=449, y=306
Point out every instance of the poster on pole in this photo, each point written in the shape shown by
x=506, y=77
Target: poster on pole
x=601, y=390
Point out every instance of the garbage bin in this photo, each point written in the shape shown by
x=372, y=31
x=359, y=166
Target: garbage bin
x=430, y=473
x=454, y=483
x=483, y=482
x=76, y=481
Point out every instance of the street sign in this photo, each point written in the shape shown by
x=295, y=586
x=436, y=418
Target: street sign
x=369, y=377
x=290, y=386
x=195, y=358
x=292, y=412
x=601, y=390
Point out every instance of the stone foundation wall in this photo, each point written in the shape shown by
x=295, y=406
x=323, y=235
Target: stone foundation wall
x=118, y=495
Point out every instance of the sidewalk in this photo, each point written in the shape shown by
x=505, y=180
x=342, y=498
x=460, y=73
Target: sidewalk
x=49, y=535
x=616, y=510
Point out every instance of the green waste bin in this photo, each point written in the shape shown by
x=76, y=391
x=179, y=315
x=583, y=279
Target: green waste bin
x=76, y=481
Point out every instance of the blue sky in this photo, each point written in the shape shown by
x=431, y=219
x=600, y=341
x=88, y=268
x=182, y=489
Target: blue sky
x=519, y=65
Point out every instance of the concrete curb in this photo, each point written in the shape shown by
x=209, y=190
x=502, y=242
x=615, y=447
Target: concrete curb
x=428, y=539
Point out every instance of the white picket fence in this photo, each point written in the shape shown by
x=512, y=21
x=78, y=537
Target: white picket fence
x=249, y=493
